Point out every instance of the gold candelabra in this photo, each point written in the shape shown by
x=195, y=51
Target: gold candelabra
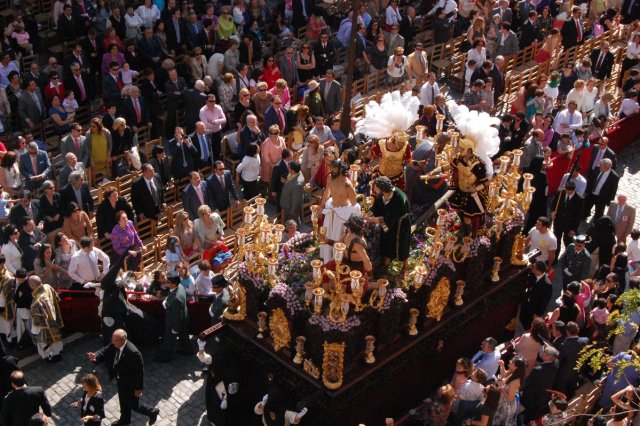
x=258, y=241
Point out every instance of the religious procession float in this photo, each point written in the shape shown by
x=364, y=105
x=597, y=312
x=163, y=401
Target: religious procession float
x=342, y=334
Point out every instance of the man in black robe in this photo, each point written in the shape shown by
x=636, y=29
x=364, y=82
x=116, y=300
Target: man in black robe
x=391, y=211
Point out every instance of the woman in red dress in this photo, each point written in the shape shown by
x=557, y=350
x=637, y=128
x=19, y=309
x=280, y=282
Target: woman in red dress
x=270, y=72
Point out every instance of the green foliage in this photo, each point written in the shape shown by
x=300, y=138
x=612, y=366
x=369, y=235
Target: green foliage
x=629, y=303
x=594, y=357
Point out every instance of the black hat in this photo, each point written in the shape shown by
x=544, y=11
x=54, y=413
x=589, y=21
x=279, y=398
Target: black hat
x=571, y=185
x=219, y=281
x=21, y=273
x=173, y=277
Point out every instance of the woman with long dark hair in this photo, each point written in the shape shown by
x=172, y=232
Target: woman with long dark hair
x=509, y=382
x=528, y=345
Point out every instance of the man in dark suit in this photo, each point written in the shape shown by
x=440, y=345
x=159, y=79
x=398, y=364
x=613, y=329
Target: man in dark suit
x=68, y=26
x=76, y=144
x=301, y=12
x=289, y=68
x=135, y=110
x=176, y=320
x=174, y=87
x=77, y=187
x=93, y=50
x=530, y=31
x=537, y=295
x=601, y=151
x=35, y=75
x=275, y=114
x=35, y=166
x=196, y=36
x=26, y=207
x=124, y=363
x=201, y=140
x=76, y=56
x=507, y=41
x=630, y=11
x=151, y=94
x=572, y=30
x=195, y=195
x=325, y=53
x=147, y=195
x=30, y=240
x=567, y=379
x=112, y=85
x=194, y=100
x=176, y=32
x=567, y=214
x=441, y=27
x=331, y=93
x=182, y=153
x=222, y=188
x=279, y=176
x=23, y=402
x=293, y=193
x=110, y=115
x=31, y=107
x=505, y=12
x=220, y=298
x=80, y=84
x=535, y=397
x=602, y=185
x=150, y=48
x=602, y=61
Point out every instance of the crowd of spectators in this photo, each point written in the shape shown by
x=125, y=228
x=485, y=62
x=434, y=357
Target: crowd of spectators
x=267, y=76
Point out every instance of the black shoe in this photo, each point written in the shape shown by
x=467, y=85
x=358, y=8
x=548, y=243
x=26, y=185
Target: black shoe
x=153, y=417
x=120, y=423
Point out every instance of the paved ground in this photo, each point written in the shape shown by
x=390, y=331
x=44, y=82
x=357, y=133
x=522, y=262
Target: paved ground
x=176, y=388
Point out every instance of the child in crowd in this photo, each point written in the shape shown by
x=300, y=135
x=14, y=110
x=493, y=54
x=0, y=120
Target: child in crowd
x=438, y=409
x=599, y=316
x=551, y=91
x=363, y=185
x=127, y=74
x=5, y=205
x=547, y=161
x=173, y=253
x=565, y=146
x=471, y=393
x=22, y=39
x=202, y=284
x=557, y=415
x=337, y=133
x=186, y=280
x=70, y=104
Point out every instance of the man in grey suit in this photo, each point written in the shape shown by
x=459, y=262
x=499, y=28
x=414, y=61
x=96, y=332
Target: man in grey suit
x=293, y=193
x=75, y=143
x=195, y=195
x=31, y=106
x=194, y=100
x=34, y=166
x=503, y=10
x=507, y=41
x=623, y=216
x=289, y=68
x=331, y=93
x=394, y=39
x=72, y=165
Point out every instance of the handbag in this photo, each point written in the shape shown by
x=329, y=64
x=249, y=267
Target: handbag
x=121, y=168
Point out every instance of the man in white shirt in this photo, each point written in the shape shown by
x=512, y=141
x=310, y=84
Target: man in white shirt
x=429, y=90
x=577, y=178
x=323, y=132
x=568, y=119
x=487, y=358
x=202, y=284
x=83, y=266
x=541, y=239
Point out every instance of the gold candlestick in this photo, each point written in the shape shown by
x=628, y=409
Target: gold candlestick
x=368, y=353
x=299, y=350
x=262, y=324
x=496, y=269
x=413, y=320
x=459, y=292
x=318, y=294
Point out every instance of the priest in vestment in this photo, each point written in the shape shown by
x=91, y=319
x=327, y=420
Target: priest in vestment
x=46, y=319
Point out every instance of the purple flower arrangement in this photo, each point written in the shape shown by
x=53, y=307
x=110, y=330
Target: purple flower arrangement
x=394, y=294
x=256, y=279
x=433, y=270
x=289, y=298
x=475, y=245
x=301, y=241
x=327, y=325
x=294, y=267
x=516, y=222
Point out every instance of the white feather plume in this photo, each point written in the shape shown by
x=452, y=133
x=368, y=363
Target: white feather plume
x=395, y=113
x=479, y=128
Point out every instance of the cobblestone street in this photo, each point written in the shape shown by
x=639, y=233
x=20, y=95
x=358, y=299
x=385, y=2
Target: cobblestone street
x=176, y=387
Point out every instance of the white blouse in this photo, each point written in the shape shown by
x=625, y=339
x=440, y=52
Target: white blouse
x=13, y=257
x=589, y=99
x=249, y=168
x=149, y=15
x=633, y=50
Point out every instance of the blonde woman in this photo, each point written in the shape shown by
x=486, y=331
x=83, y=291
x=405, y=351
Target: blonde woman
x=209, y=229
x=99, y=141
x=312, y=157
x=271, y=152
x=304, y=123
x=226, y=93
x=198, y=64
x=476, y=31
x=186, y=234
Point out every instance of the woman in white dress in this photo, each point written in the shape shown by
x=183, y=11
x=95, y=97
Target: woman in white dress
x=11, y=250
